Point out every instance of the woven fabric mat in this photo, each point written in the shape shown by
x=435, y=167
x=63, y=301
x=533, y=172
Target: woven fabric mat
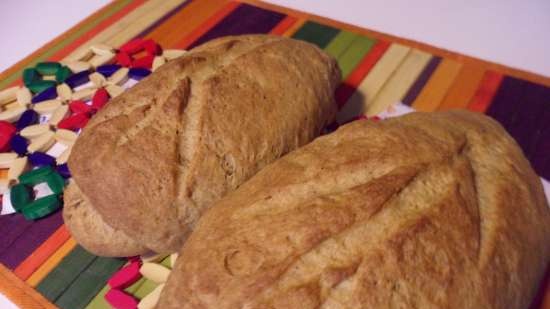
x=41, y=266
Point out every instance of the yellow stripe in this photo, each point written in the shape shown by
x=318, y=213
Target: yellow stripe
x=399, y=83
x=136, y=28
x=51, y=263
x=130, y=25
x=375, y=80
x=433, y=93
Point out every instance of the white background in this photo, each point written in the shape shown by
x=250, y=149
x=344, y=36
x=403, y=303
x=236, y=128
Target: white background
x=511, y=32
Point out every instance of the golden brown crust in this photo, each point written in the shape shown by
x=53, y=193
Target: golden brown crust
x=153, y=159
x=89, y=229
x=436, y=210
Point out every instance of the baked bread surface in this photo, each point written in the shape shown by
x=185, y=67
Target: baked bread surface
x=428, y=210
x=150, y=162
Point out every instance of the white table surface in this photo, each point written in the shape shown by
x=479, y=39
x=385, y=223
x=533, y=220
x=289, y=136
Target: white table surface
x=511, y=32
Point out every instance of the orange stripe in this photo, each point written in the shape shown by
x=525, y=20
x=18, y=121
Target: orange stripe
x=20, y=293
x=90, y=34
x=347, y=88
x=284, y=25
x=51, y=262
x=184, y=22
x=464, y=87
x=438, y=85
x=486, y=92
x=42, y=253
x=209, y=24
x=297, y=25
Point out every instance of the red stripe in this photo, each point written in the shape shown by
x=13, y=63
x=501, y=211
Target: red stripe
x=347, y=88
x=42, y=253
x=284, y=25
x=485, y=92
x=207, y=25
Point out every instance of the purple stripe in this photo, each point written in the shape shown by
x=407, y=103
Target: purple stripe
x=540, y=142
x=540, y=160
x=163, y=19
x=529, y=116
x=523, y=109
x=245, y=19
x=506, y=103
x=31, y=239
x=543, y=120
x=421, y=80
x=11, y=227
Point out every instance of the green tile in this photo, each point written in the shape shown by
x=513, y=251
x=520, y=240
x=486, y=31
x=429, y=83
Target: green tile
x=59, y=279
x=98, y=302
x=89, y=283
x=147, y=287
x=353, y=55
x=316, y=33
x=340, y=43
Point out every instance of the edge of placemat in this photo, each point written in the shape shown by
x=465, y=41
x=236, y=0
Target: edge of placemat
x=490, y=65
x=20, y=293
x=24, y=296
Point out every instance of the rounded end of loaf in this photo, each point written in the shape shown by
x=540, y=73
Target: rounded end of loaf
x=91, y=232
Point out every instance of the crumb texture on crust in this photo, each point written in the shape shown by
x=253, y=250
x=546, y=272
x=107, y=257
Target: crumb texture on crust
x=157, y=156
x=438, y=210
x=90, y=231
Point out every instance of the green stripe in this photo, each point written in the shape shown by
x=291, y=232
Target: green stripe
x=99, y=300
x=89, y=283
x=348, y=48
x=54, y=49
x=57, y=281
x=353, y=55
x=148, y=286
x=315, y=33
x=340, y=43
x=135, y=289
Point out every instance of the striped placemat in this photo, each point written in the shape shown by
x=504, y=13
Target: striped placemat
x=43, y=267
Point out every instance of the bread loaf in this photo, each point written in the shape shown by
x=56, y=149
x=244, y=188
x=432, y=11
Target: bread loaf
x=150, y=162
x=423, y=211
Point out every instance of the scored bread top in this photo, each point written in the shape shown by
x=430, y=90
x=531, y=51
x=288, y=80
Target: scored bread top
x=428, y=210
x=154, y=158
